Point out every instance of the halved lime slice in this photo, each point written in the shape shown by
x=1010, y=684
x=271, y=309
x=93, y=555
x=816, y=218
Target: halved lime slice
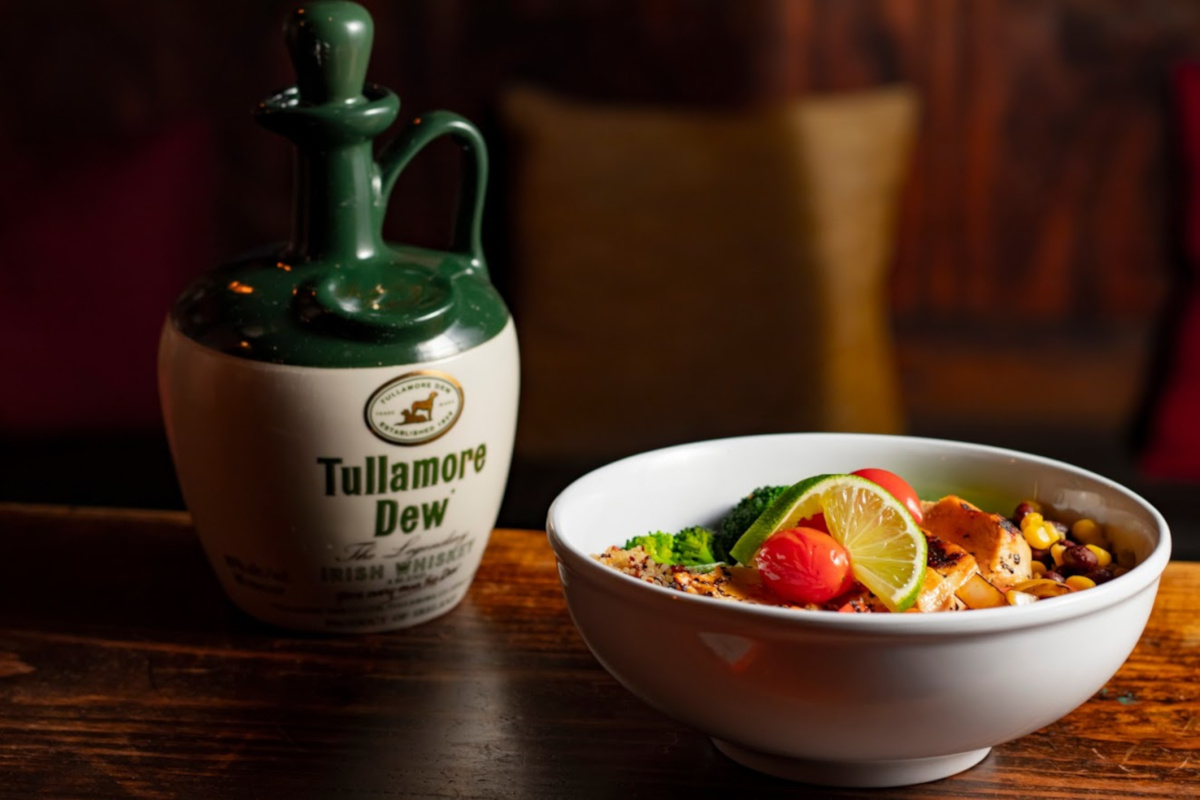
x=887, y=549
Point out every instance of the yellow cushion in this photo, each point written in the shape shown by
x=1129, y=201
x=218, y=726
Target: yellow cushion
x=682, y=275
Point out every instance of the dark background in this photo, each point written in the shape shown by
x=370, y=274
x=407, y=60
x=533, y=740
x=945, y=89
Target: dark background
x=1036, y=262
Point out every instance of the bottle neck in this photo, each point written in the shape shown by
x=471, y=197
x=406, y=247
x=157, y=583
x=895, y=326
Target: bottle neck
x=336, y=196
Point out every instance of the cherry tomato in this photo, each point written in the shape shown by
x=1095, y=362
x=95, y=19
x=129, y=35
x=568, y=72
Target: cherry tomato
x=897, y=487
x=803, y=565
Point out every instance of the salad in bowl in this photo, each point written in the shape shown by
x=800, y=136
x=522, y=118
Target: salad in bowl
x=865, y=542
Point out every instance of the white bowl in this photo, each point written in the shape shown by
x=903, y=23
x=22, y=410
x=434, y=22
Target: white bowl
x=864, y=700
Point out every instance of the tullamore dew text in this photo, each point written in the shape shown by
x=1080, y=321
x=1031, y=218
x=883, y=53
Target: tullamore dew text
x=380, y=475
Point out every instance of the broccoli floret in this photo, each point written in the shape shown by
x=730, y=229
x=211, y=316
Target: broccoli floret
x=742, y=516
x=689, y=547
x=694, y=546
x=658, y=545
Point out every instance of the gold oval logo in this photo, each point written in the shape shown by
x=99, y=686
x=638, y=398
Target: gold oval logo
x=415, y=408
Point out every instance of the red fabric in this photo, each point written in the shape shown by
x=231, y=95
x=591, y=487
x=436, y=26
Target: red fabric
x=1173, y=449
x=91, y=259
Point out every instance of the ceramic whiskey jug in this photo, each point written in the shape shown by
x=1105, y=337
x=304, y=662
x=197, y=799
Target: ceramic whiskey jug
x=341, y=410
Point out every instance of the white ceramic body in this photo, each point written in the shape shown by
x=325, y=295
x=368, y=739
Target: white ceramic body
x=257, y=449
x=849, y=699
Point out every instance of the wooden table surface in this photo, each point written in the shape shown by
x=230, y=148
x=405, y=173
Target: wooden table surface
x=124, y=672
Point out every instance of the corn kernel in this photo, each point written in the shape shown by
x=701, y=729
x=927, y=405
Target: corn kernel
x=1087, y=531
x=1039, y=536
x=1080, y=582
x=1103, y=557
x=1031, y=520
x=1056, y=552
x=1037, y=569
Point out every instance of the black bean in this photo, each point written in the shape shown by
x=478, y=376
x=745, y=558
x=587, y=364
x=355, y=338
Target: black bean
x=1101, y=575
x=1080, y=559
x=1053, y=576
x=1061, y=527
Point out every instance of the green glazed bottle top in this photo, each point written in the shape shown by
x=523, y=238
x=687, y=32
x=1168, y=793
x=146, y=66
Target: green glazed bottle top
x=330, y=45
x=337, y=295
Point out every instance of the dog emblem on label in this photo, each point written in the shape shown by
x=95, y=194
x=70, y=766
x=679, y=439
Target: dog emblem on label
x=415, y=408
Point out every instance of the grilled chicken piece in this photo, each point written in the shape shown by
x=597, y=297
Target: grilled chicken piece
x=998, y=546
x=949, y=567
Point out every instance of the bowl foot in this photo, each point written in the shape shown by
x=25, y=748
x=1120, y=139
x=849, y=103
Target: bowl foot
x=856, y=774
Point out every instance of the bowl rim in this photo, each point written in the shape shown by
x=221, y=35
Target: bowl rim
x=1044, y=612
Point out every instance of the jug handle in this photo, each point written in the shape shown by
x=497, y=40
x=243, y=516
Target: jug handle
x=421, y=131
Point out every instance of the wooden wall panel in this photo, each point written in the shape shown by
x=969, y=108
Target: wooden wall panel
x=1040, y=177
